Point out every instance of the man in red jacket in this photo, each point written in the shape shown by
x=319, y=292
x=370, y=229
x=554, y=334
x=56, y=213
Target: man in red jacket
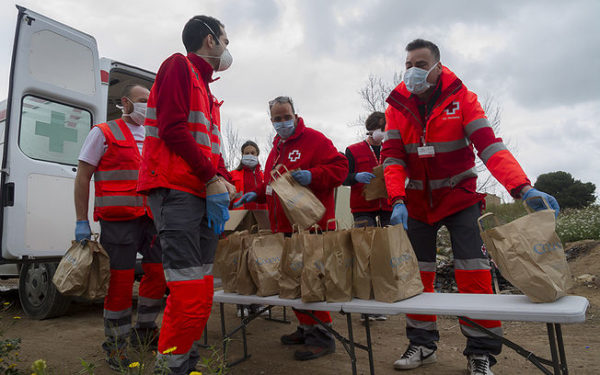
x=316, y=164
x=181, y=171
x=433, y=122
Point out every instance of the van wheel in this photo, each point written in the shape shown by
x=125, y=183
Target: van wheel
x=39, y=297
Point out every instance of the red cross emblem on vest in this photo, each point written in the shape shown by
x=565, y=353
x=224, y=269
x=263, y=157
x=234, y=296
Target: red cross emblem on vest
x=294, y=155
x=452, y=108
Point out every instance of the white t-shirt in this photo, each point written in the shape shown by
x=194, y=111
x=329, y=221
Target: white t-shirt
x=95, y=145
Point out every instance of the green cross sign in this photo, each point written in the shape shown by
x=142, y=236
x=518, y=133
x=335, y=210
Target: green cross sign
x=56, y=131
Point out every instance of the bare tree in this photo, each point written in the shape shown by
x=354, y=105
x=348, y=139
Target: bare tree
x=373, y=95
x=231, y=146
x=266, y=146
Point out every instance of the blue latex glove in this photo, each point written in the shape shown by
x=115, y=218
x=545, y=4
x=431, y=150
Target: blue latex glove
x=364, y=177
x=82, y=230
x=538, y=204
x=217, y=211
x=303, y=177
x=400, y=215
x=246, y=198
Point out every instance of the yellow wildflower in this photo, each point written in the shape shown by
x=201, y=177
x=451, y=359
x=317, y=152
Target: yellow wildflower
x=195, y=373
x=6, y=303
x=134, y=364
x=16, y=317
x=170, y=350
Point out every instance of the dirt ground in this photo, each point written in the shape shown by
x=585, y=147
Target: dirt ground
x=63, y=341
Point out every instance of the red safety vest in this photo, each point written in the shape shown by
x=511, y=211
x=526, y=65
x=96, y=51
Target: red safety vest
x=161, y=166
x=364, y=161
x=115, y=178
x=255, y=179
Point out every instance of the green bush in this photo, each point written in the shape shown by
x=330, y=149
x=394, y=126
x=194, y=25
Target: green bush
x=572, y=224
x=579, y=224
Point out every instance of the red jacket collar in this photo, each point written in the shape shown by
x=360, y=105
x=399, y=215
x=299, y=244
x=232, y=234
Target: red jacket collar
x=300, y=127
x=204, y=68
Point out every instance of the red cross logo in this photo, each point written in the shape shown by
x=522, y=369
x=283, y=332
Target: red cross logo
x=294, y=155
x=452, y=108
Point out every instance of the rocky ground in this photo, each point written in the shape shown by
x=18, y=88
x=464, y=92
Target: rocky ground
x=64, y=341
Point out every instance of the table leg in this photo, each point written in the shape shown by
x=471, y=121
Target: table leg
x=351, y=343
x=369, y=346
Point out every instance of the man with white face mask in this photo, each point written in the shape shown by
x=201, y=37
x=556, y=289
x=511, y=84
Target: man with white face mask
x=112, y=153
x=362, y=158
x=183, y=174
x=433, y=122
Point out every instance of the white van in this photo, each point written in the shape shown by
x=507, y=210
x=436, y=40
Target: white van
x=59, y=88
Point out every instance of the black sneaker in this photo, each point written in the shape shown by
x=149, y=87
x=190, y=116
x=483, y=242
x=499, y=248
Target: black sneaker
x=117, y=360
x=296, y=338
x=309, y=352
x=144, y=338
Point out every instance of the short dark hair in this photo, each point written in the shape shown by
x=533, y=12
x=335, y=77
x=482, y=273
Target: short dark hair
x=127, y=89
x=422, y=43
x=282, y=100
x=197, y=29
x=373, y=121
x=250, y=143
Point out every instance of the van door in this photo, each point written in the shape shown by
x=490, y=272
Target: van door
x=54, y=99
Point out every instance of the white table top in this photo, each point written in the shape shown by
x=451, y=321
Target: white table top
x=568, y=309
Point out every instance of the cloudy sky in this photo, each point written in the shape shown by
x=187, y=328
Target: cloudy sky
x=539, y=60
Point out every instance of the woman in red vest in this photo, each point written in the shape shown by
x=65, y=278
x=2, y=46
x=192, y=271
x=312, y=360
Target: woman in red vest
x=248, y=175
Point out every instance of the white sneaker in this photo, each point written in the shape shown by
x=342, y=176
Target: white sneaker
x=415, y=356
x=479, y=364
x=239, y=312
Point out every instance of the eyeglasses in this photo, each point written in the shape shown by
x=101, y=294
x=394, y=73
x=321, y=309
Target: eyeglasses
x=281, y=100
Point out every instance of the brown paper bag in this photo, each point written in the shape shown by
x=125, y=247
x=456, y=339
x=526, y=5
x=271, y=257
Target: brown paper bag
x=244, y=283
x=530, y=255
x=99, y=277
x=300, y=205
x=290, y=268
x=362, y=241
x=394, y=266
x=227, y=260
x=264, y=256
x=376, y=188
x=83, y=271
x=337, y=254
x=312, y=280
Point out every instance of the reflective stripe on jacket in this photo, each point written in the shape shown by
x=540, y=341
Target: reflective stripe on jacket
x=115, y=177
x=364, y=161
x=445, y=183
x=161, y=167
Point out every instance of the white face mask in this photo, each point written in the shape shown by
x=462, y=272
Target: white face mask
x=378, y=135
x=138, y=115
x=225, y=60
x=415, y=79
x=249, y=160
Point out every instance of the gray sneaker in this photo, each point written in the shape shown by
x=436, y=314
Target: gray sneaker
x=479, y=364
x=415, y=356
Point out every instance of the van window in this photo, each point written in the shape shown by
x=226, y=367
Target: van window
x=52, y=131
